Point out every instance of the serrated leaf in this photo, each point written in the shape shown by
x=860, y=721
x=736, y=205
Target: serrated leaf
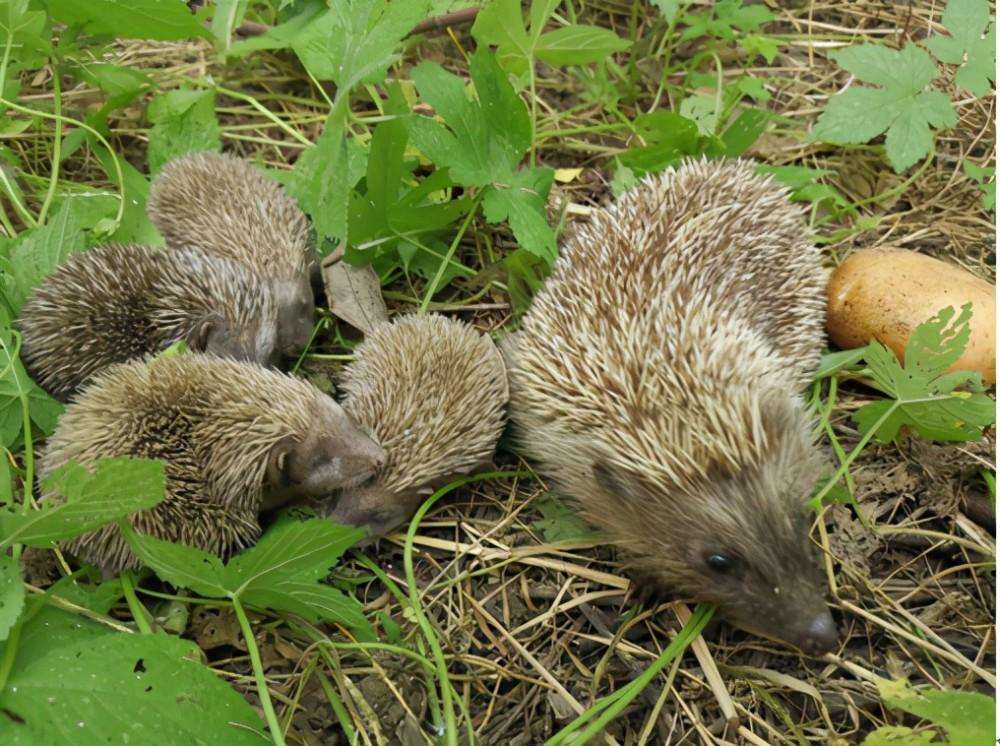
x=306, y=550
x=183, y=122
x=39, y=251
x=281, y=572
x=560, y=523
x=668, y=137
x=180, y=565
x=95, y=689
x=968, y=717
x=318, y=182
x=578, y=45
x=129, y=19
x=522, y=204
x=482, y=142
x=900, y=108
x=43, y=410
x=925, y=398
x=355, y=41
x=87, y=499
x=971, y=44
x=11, y=594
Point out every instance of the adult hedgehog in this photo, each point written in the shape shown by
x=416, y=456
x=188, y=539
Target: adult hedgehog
x=225, y=206
x=433, y=391
x=231, y=435
x=656, y=379
x=119, y=302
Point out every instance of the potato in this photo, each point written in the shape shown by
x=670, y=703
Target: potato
x=884, y=294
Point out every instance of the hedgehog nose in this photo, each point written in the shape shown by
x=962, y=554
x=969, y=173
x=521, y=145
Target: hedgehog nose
x=820, y=635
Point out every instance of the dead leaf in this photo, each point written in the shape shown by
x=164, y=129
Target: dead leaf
x=353, y=294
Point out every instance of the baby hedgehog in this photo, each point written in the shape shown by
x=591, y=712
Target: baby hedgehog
x=119, y=302
x=227, y=432
x=433, y=391
x=656, y=379
x=225, y=206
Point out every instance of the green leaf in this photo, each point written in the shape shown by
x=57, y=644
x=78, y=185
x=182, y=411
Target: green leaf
x=971, y=44
x=151, y=687
x=355, y=41
x=28, y=31
x=318, y=182
x=228, y=15
x=397, y=217
x=578, y=45
x=805, y=186
x=11, y=594
x=926, y=399
x=985, y=177
x=482, y=144
x=744, y=131
x=668, y=137
x=501, y=24
x=899, y=735
x=968, y=717
x=280, y=36
x=560, y=523
x=114, y=488
x=526, y=275
x=834, y=362
x=725, y=20
x=129, y=19
x=281, y=572
x=623, y=179
x=669, y=8
x=306, y=550
x=183, y=122
x=902, y=107
x=522, y=204
x=43, y=410
x=178, y=564
x=40, y=250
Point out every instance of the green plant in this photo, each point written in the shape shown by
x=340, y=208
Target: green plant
x=967, y=717
x=902, y=106
x=924, y=398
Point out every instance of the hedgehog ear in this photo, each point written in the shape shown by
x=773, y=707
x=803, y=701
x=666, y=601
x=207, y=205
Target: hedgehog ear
x=277, y=463
x=611, y=480
x=200, y=334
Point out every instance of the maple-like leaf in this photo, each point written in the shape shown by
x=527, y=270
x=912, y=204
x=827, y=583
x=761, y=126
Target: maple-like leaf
x=902, y=106
x=971, y=44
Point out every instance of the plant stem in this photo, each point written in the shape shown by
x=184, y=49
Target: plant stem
x=450, y=734
x=10, y=653
x=139, y=612
x=118, y=166
x=258, y=672
x=56, y=145
x=433, y=287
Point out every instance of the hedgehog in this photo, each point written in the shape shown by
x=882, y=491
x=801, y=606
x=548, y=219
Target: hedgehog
x=119, y=302
x=230, y=434
x=655, y=379
x=225, y=206
x=433, y=391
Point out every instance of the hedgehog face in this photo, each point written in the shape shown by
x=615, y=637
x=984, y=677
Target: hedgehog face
x=375, y=508
x=739, y=540
x=296, y=315
x=333, y=454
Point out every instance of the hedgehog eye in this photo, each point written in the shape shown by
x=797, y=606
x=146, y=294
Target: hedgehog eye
x=721, y=563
